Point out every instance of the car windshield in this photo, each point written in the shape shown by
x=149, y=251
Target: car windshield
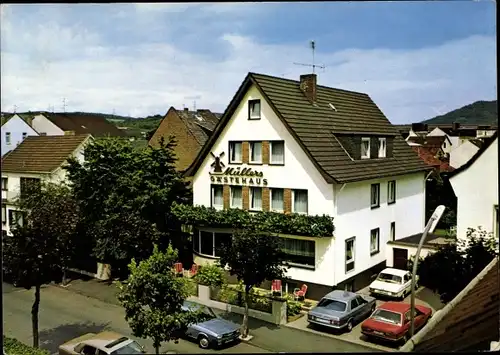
x=389, y=278
x=387, y=316
x=333, y=305
x=207, y=312
x=132, y=348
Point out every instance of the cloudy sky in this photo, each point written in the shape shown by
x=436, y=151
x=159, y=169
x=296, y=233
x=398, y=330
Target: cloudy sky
x=415, y=59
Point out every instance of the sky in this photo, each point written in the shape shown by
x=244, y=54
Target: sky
x=416, y=59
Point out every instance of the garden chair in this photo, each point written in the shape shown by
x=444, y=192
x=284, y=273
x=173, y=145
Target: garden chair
x=300, y=293
x=178, y=268
x=276, y=287
x=193, y=271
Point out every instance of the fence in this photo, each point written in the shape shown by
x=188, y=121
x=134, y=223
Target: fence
x=236, y=298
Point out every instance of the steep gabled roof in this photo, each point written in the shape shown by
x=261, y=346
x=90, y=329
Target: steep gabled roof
x=316, y=128
x=41, y=154
x=84, y=123
x=200, y=123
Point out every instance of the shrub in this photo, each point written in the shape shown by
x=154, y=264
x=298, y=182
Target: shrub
x=293, y=307
x=210, y=275
x=14, y=347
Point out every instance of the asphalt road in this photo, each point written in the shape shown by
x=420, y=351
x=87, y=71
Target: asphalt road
x=65, y=315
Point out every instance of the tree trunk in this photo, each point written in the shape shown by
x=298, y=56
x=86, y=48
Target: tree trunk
x=244, y=332
x=34, y=316
x=157, y=349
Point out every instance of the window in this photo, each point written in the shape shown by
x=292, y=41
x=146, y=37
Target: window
x=210, y=243
x=25, y=135
x=254, y=109
x=256, y=198
x=88, y=350
x=374, y=241
x=7, y=138
x=393, y=231
x=333, y=305
x=299, y=252
x=365, y=148
x=277, y=152
x=256, y=152
x=217, y=197
x=206, y=243
x=391, y=192
x=220, y=240
x=299, y=201
x=349, y=254
x=235, y=152
x=277, y=201
x=27, y=185
x=375, y=196
x=354, y=303
x=382, y=147
x=236, y=197
x=4, y=215
x=4, y=184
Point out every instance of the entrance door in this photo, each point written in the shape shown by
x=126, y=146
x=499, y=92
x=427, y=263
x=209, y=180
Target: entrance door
x=400, y=258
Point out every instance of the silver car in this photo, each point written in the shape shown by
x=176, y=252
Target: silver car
x=214, y=331
x=341, y=310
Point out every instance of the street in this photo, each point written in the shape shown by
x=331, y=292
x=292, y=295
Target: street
x=65, y=314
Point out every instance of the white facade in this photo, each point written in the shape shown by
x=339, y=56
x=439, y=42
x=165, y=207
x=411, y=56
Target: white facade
x=348, y=204
x=462, y=154
x=44, y=126
x=437, y=132
x=14, y=131
x=476, y=189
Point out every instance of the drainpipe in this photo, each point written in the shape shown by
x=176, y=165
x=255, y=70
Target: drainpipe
x=336, y=209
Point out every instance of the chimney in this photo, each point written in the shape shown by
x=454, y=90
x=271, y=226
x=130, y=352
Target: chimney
x=186, y=109
x=456, y=126
x=308, y=86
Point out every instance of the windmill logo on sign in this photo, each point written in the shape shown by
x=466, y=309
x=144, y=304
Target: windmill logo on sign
x=217, y=164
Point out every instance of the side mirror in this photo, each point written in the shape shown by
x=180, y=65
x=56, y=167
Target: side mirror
x=373, y=277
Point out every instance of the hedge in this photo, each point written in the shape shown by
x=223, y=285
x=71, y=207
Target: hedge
x=15, y=347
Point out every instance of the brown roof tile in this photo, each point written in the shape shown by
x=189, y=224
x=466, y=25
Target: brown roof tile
x=41, y=154
x=84, y=123
x=315, y=128
x=201, y=123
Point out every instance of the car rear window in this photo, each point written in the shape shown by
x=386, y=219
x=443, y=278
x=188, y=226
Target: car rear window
x=333, y=305
x=389, y=278
x=387, y=316
x=132, y=348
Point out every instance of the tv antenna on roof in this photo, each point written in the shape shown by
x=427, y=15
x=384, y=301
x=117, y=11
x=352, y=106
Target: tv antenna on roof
x=15, y=108
x=314, y=66
x=64, y=104
x=194, y=98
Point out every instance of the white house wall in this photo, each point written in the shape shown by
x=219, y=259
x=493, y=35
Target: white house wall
x=389, y=254
x=355, y=218
x=436, y=132
x=16, y=126
x=476, y=189
x=462, y=154
x=43, y=125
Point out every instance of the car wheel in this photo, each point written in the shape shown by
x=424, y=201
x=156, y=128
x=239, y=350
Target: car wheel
x=406, y=338
x=374, y=306
x=203, y=342
x=349, y=325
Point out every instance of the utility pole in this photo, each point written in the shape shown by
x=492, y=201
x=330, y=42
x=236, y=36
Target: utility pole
x=64, y=104
x=313, y=65
x=15, y=108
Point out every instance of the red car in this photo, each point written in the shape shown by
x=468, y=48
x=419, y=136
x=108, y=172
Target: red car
x=391, y=321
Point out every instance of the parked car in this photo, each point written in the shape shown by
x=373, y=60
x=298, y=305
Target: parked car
x=393, y=283
x=213, y=331
x=391, y=321
x=341, y=310
x=109, y=343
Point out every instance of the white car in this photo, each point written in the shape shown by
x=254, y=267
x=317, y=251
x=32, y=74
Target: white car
x=392, y=283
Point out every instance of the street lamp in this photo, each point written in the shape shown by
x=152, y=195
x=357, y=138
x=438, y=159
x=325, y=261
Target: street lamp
x=429, y=228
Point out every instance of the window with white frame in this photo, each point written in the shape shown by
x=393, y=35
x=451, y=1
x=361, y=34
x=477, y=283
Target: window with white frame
x=299, y=252
x=210, y=243
x=254, y=109
x=256, y=198
x=217, y=197
x=374, y=241
x=4, y=184
x=235, y=152
x=4, y=215
x=365, y=148
x=382, y=147
x=15, y=218
x=375, y=196
x=392, y=235
x=349, y=254
x=7, y=138
x=277, y=152
x=277, y=200
x=236, y=197
x=256, y=152
x=299, y=201
x=391, y=191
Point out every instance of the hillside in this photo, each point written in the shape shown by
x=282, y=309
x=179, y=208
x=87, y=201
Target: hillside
x=477, y=113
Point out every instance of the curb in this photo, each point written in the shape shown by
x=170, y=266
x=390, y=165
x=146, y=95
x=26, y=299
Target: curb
x=67, y=288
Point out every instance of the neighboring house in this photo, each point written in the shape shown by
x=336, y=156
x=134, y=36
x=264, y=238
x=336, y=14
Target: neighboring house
x=191, y=130
x=463, y=153
x=36, y=159
x=476, y=186
x=15, y=129
x=468, y=323
x=430, y=150
x=317, y=150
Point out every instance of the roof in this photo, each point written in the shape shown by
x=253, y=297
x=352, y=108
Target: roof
x=319, y=129
x=200, y=123
x=399, y=307
x=468, y=322
x=41, y=154
x=428, y=155
x=396, y=272
x=484, y=147
x=84, y=123
x=431, y=241
x=341, y=295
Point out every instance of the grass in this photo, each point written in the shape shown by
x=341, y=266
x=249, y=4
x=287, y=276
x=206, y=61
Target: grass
x=441, y=232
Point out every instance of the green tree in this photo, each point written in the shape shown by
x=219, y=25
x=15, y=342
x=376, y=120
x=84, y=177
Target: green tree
x=153, y=296
x=43, y=245
x=125, y=196
x=254, y=256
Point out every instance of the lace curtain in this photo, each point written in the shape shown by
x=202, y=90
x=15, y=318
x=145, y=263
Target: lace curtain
x=256, y=198
x=236, y=196
x=300, y=201
x=277, y=152
x=277, y=200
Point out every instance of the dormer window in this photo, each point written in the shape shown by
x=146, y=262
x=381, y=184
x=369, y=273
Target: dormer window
x=365, y=148
x=382, y=147
x=254, y=109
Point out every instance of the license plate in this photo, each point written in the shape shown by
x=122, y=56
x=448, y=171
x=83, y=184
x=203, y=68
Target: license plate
x=322, y=320
x=378, y=333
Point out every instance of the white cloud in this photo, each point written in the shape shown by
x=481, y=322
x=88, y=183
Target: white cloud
x=41, y=65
